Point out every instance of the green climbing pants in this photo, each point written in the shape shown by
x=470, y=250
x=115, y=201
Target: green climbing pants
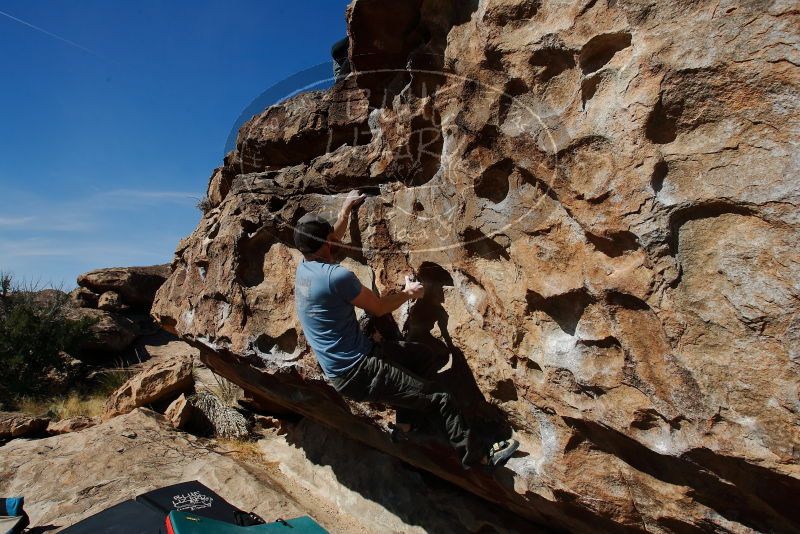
x=398, y=374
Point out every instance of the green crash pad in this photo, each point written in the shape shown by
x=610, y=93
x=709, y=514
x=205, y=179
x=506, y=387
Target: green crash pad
x=186, y=523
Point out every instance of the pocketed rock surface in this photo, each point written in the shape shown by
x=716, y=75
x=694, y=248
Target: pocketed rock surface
x=602, y=200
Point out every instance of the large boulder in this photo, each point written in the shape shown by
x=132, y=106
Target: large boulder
x=135, y=285
x=159, y=380
x=601, y=198
x=21, y=425
x=111, y=332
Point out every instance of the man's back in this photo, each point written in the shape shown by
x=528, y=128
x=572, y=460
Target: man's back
x=323, y=293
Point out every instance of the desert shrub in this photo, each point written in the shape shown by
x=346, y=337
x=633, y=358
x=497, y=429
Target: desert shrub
x=205, y=205
x=217, y=419
x=227, y=391
x=86, y=397
x=34, y=335
x=110, y=380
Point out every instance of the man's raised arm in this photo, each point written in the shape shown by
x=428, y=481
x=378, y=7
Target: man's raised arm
x=352, y=200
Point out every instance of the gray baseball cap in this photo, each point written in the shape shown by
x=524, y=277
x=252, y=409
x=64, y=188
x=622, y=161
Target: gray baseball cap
x=311, y=232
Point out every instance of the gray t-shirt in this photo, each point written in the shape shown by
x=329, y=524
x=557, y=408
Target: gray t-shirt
x=323, y=292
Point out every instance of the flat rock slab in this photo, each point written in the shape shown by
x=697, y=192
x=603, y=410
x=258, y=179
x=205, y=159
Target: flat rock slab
x=316, y=464
x=67, y=478
x=348, y=489
x=73, y=424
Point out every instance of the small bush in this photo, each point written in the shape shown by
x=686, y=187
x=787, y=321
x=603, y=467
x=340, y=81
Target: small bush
x=109, y=380
x=205, y=205
x=34, y=334
x=217, y=419
x=226, y=391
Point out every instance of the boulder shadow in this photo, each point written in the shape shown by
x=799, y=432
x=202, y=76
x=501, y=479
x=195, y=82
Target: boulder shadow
x=429, y=314
x=416, y=497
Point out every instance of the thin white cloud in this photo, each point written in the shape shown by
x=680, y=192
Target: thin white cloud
x=15, y=221
x=87, y=213
x=153, y=195
x=34, y=251
x=44, y=247
x=136, y=198
x=52, y=263
x=48, y=218
x=57, y=238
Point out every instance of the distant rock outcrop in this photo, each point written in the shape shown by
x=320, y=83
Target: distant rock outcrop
x=21, y=425
x=602, y=200
x=111, y=332
x=118, y=301
x=136, y=286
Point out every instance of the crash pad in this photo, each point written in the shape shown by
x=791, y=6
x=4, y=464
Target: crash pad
x=188, y=523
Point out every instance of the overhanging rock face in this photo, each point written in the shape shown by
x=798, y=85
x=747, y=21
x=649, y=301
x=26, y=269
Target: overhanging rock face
x=602, y=199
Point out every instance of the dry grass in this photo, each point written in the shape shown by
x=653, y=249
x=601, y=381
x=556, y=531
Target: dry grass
x=225, y=390
x=64, y=407
x=74, y=403
x=112, y=379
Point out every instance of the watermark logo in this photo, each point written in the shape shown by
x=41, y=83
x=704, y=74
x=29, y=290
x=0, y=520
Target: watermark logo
x=437, y=150
x=194, y=500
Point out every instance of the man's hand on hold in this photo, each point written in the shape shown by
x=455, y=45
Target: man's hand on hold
x=413, y=289
x=353, y=199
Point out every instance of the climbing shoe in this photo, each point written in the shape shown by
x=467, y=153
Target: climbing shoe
x=396, y=435
x=500, y=452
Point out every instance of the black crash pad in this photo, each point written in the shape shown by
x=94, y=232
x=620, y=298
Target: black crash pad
x=127, y=517
x=147, y=513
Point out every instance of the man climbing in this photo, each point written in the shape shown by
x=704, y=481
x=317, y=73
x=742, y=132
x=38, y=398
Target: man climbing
x=358, y=368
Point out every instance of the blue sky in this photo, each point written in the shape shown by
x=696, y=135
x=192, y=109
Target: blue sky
x=114, y=114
